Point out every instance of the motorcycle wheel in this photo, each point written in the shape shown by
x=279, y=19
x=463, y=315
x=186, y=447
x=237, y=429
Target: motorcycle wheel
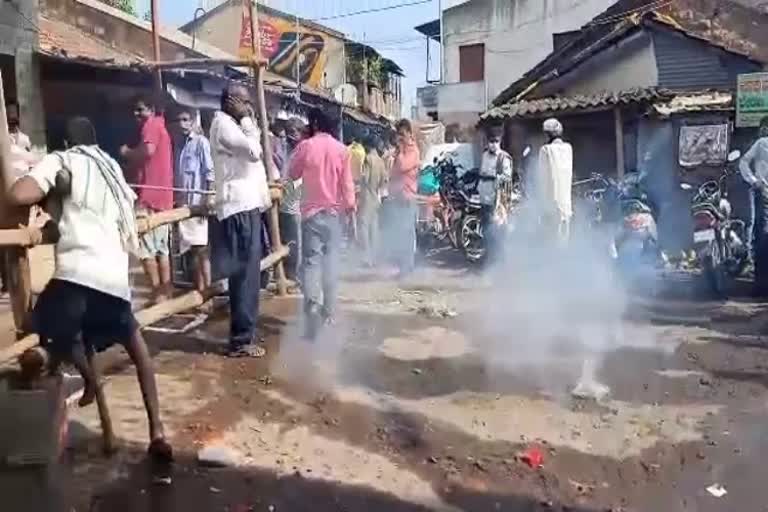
x=714, y=271
x=471, y=238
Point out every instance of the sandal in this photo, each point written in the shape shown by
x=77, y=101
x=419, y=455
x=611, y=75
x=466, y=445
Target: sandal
x=251, y=351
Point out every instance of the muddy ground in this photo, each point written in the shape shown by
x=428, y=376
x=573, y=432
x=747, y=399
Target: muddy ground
x=408, y=403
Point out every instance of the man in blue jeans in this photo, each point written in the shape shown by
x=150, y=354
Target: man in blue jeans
x=754, y=169
x=323, y=163
x=242, y=193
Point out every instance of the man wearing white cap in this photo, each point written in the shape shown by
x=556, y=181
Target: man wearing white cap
x=555, y=179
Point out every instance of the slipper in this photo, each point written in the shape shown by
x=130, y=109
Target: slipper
x=160, y=451
x=251, y=351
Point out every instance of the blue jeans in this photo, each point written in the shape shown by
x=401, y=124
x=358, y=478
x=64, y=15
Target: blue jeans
x=321, y=247
x=236, y=255
x=760, y=241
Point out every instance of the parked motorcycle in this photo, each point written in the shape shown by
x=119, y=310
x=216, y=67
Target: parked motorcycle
x=457, y=213
x=718, y=238
x=637, y=241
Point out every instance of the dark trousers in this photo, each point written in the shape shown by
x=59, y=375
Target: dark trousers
x=236, y=251
x=321, y=240
x=760, y=242
x=290, y=233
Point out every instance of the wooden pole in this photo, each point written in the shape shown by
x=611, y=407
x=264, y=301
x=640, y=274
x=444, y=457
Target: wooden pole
x=153, y=314
x=156, y=45
x=261, y=104
x=16, y=258
x=200, y=63
x=619, y=131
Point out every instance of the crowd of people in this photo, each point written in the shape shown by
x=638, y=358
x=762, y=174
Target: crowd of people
x=327, y=187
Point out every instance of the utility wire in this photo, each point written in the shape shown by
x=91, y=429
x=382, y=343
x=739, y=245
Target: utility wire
x=374, y=10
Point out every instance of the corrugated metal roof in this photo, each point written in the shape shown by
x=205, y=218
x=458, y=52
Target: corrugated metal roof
x=561, y=104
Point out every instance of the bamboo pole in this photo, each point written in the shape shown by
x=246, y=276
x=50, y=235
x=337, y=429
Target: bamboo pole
x=273, y=220
x=203, y=63
x=154, y=10
x=152, y=314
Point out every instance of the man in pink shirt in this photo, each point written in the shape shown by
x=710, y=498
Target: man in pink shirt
x=402, y=190
x=322, y=162
x=152, y=161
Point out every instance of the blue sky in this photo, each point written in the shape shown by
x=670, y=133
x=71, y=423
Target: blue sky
x=390, y=32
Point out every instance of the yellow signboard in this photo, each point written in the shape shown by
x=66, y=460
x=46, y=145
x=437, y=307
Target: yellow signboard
x=291, y=49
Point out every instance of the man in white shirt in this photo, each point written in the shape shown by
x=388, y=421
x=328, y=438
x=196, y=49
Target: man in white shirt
x=22, y=158
x=86, y=306
x=554, y=182
x=754, y=170
x=242, y=194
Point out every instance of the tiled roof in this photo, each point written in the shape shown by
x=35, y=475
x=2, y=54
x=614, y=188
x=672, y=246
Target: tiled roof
x=721, y=23
x=61, y=39
x=561, y=104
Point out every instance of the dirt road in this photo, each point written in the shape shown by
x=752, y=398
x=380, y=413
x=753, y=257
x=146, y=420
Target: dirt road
x=411, y=403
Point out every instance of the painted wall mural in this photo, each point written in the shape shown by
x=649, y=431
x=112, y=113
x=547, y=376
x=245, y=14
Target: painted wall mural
x=288, y=51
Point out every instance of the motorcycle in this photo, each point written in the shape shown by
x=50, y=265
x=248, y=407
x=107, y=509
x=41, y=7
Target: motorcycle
x=636, y=242
x=718, y=238
x=457, y=213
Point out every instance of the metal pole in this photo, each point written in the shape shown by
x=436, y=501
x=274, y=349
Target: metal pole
x=427, y=80
x=156, y=44
x=298, y=57
x=365, y=77
x=442, y=42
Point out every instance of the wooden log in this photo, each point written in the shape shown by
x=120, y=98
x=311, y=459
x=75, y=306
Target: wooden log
x=152, y=314
x=148, y=223
x=17, y=237
x=275, y=257
x=203, y=63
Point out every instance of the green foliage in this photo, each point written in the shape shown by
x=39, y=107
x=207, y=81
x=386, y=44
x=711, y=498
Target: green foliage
x=358, y=66
x=124, y=5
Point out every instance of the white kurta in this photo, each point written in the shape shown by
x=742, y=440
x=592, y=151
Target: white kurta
x=555, y=179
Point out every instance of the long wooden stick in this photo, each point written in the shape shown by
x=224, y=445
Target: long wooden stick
x=154, y=10
x=203, y=63
x=273, y=220
x=153, y=314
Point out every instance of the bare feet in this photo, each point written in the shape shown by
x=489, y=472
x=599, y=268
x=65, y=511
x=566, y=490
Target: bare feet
x=160, y=450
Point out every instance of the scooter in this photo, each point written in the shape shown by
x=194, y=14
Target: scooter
x=718, y=238
x=636, y=243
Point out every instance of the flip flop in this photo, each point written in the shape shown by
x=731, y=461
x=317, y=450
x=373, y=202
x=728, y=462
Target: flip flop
x=251, y=351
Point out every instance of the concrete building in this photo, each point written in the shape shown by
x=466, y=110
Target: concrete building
x=19, y=64
x=303, y=50
x=489, y=44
